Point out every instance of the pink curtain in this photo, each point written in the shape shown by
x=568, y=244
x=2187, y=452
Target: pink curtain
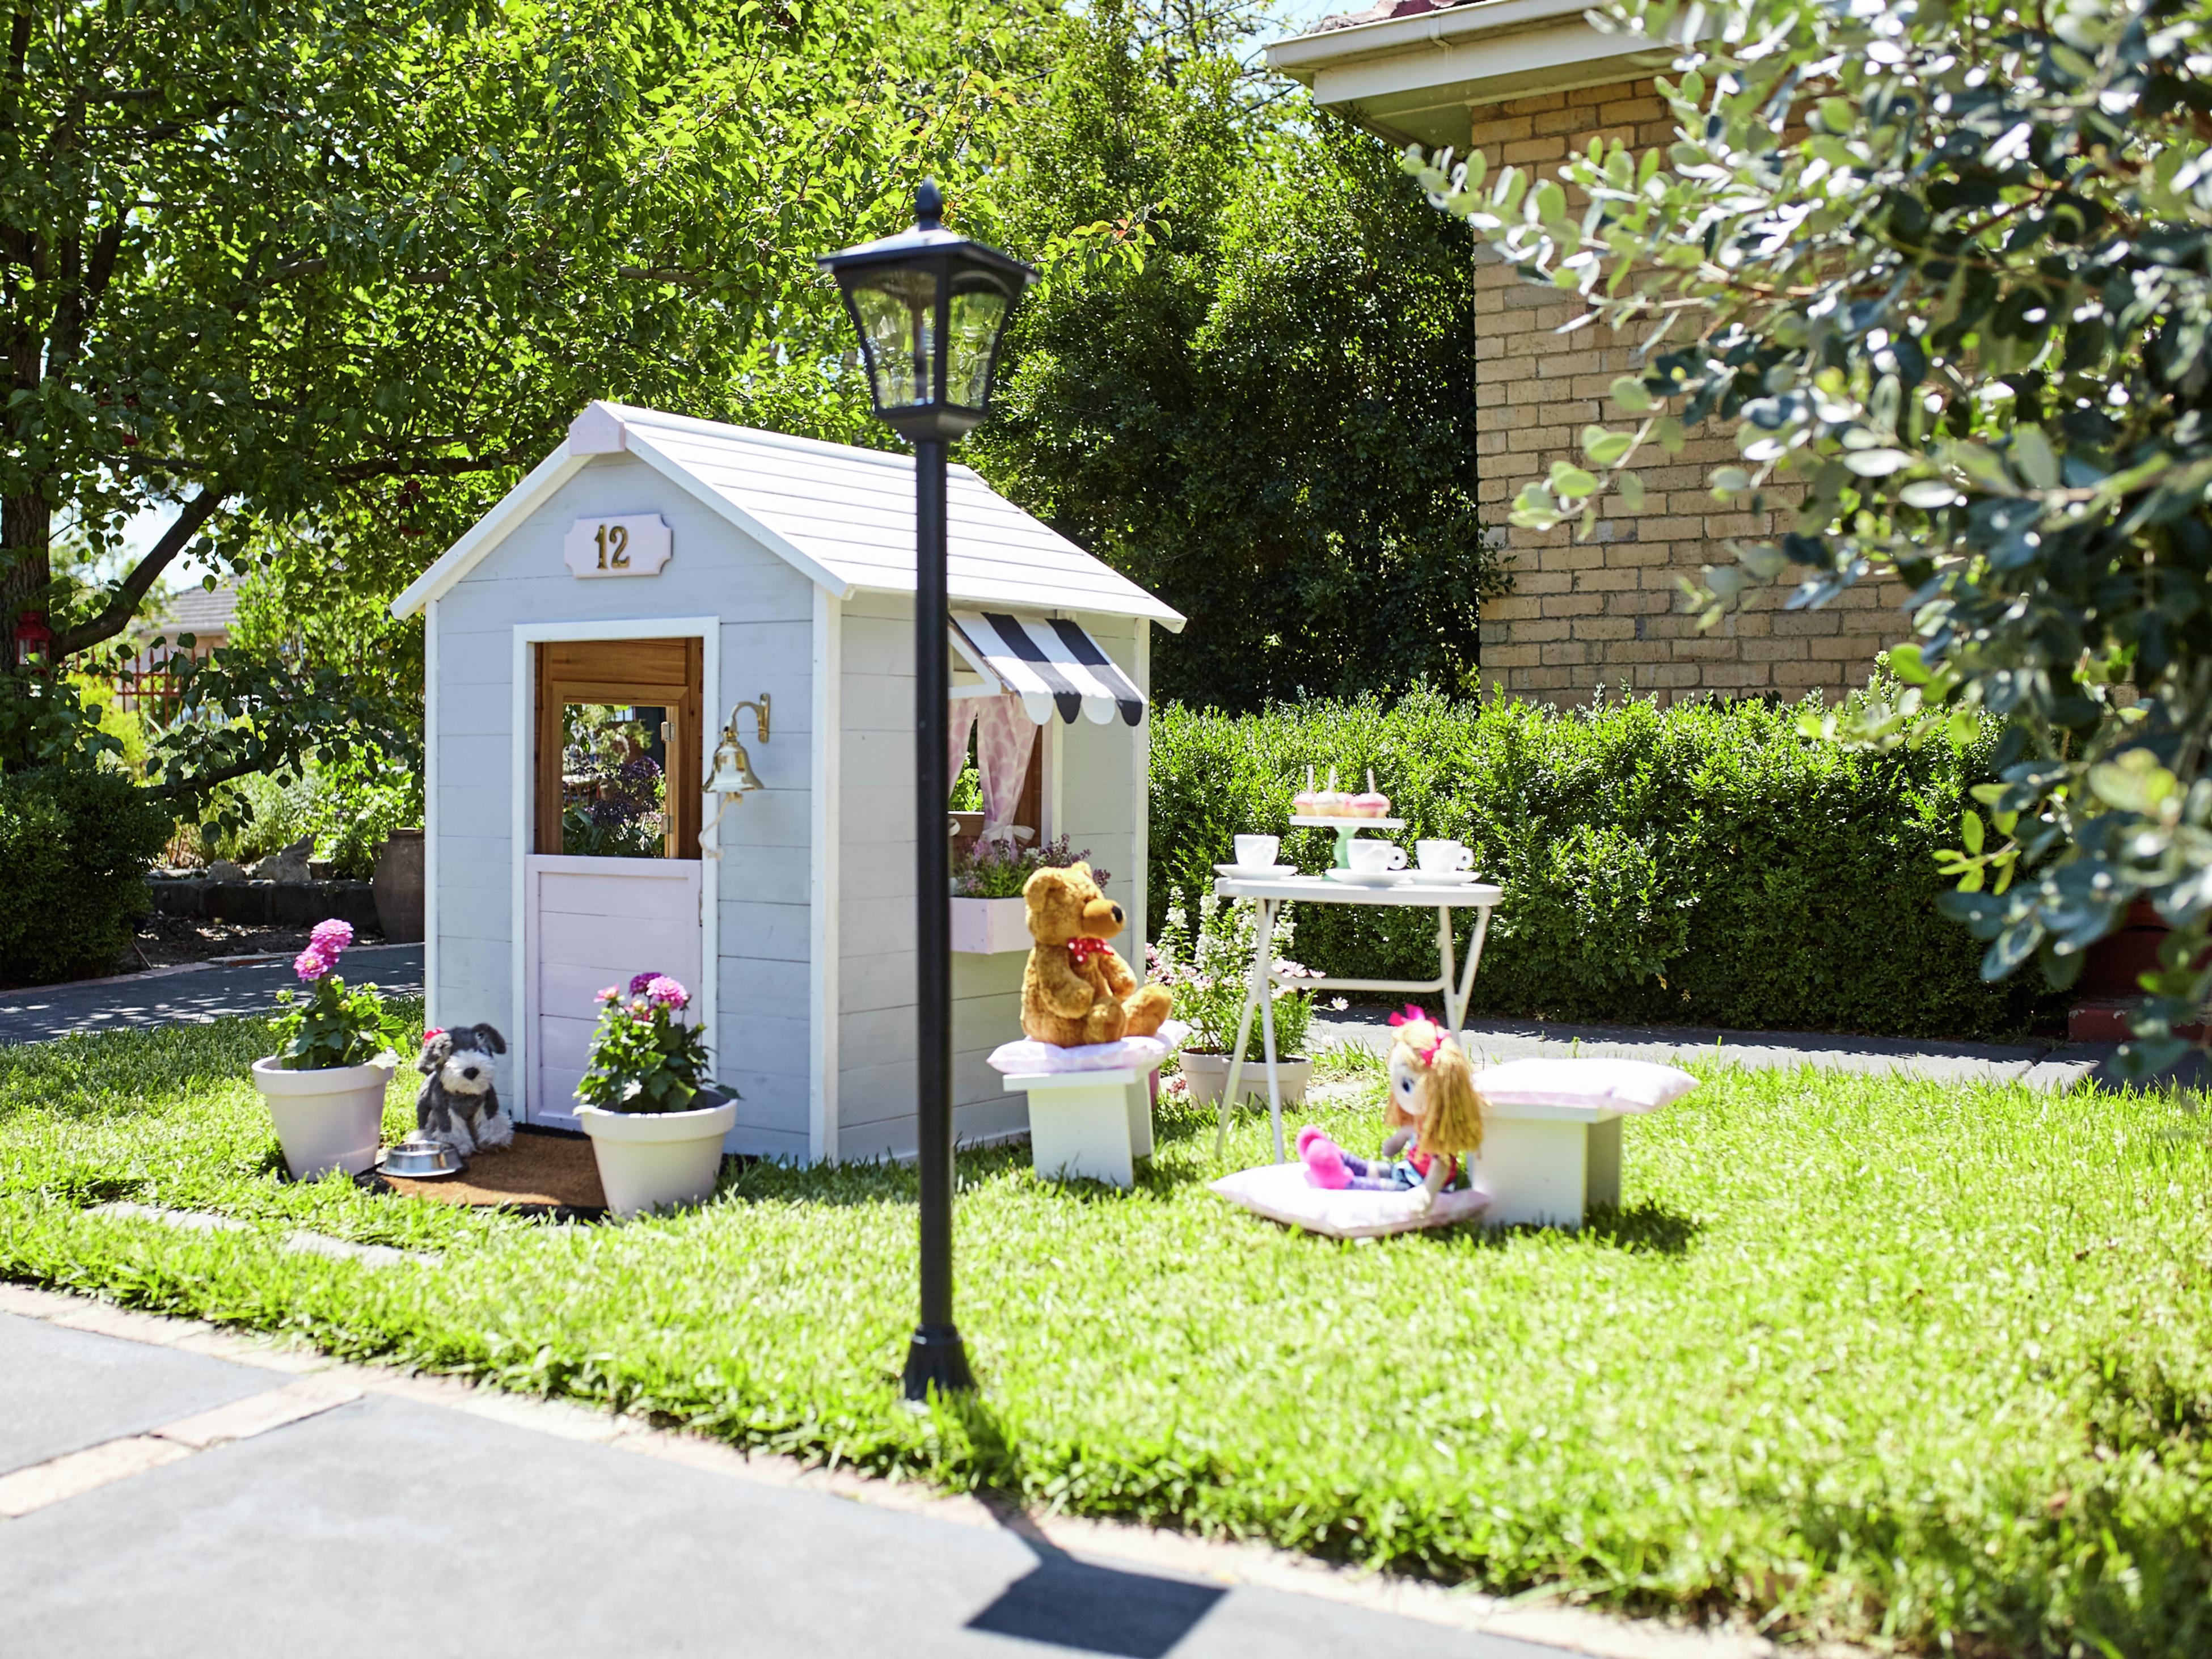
x=1005, y=738
x=960, y=720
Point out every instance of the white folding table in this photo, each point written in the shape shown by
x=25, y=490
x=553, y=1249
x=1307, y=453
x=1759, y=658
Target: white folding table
x=1274, y=893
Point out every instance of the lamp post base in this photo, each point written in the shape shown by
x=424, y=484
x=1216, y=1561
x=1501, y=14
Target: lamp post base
x=937, y=1359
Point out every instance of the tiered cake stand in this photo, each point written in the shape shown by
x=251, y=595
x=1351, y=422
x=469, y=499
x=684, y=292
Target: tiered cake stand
x=1347, y=829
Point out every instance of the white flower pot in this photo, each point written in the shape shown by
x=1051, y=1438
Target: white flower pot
x=655, y=1160
x=1208, y=1074
x=328, y=1118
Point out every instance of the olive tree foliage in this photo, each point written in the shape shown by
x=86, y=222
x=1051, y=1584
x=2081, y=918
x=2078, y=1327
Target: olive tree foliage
x=320, y=278
x=1946, y=271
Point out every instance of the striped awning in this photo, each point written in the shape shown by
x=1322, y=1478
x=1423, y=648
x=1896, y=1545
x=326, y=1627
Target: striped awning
x=1049, y=663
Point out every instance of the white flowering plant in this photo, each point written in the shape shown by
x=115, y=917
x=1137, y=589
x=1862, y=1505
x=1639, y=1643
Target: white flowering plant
x=1209, y=969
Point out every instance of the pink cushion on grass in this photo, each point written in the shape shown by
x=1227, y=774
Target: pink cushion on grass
x=1281, y=1192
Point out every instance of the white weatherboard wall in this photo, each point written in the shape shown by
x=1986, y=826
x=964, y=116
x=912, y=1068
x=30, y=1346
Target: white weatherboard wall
x=1099, y=796
x=764, y=643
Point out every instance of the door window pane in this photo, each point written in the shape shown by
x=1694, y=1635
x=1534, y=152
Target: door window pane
x=614, y=781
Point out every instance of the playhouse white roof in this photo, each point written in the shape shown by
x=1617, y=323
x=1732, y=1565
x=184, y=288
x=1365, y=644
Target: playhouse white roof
x=844, y=516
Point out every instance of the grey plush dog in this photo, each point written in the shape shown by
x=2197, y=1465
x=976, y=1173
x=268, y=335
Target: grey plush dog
x=458, y=1105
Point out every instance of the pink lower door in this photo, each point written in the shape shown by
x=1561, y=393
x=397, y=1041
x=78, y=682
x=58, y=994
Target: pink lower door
x=590, y=922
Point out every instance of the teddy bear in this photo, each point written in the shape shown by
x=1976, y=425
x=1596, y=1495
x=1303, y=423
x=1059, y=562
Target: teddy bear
x=1075, y=989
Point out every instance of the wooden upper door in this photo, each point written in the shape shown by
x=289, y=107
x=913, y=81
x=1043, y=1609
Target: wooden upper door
x=593, y=693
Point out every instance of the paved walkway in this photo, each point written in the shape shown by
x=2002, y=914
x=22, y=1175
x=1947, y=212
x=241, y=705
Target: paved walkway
x=167, y=1489
x=2056, y=1066
x=186, y=996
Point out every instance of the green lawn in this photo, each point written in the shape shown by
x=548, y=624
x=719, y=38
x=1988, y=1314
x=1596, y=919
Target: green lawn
x=1866, y=1357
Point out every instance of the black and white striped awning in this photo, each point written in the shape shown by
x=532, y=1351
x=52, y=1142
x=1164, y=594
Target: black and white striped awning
x=1049, y=663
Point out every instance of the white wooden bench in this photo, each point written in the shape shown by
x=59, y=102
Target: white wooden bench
x=1548, y=1164
x=1090, y=1124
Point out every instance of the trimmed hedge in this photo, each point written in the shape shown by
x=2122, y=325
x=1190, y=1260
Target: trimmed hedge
x=1702, y=864
x=75, y=842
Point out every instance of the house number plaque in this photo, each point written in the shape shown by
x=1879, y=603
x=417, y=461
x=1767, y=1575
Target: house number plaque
x=634, y=544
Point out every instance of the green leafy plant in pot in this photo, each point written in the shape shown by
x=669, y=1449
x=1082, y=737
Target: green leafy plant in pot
x=336, y=1052
x=656, y=1119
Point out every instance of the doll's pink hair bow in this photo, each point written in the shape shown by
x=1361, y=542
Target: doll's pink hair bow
x=1413, y=1015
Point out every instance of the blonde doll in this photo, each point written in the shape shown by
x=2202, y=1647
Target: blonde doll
x=1434, y=1114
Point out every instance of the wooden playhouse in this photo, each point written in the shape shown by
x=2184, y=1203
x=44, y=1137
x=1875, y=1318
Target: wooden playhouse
x=585, y=643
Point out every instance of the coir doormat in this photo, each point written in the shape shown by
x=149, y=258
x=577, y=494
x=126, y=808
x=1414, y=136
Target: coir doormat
x=539, y=1174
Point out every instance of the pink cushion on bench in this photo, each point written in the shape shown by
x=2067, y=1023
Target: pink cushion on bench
x=1620, y=1086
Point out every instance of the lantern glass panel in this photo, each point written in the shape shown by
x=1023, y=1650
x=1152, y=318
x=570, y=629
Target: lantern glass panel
x=897, y=315
x=978, y=313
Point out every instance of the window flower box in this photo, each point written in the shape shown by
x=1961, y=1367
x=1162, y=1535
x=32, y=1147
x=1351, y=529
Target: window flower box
x=990, y=926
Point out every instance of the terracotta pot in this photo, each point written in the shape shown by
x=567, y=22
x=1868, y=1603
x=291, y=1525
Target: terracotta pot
x=399, y=887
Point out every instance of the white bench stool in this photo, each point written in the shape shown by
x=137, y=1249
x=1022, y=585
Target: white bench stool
x=1091, y=1124
x=1548, y=1164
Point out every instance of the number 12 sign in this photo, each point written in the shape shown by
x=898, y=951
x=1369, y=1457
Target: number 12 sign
x=634, y=544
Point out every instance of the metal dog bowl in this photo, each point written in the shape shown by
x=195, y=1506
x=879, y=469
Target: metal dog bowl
x=420, y=1160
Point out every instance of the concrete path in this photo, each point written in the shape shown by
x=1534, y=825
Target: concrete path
x=170, y=1490
x=186, y=996
x=2056, y=1066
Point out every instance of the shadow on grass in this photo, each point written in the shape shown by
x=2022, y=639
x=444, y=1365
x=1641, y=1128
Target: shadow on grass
x=1642, y=1227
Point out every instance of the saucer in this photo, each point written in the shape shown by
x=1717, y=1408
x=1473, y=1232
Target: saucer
x=1443, y=877
x=1255, y=871
x=1368, y=877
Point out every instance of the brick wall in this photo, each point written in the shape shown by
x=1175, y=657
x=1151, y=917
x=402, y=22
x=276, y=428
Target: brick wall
x=1608, y=610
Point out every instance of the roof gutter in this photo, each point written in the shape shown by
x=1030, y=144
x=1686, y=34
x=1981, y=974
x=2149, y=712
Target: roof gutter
x=1401, y=75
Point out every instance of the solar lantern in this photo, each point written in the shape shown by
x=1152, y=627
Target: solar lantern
x=931, y=308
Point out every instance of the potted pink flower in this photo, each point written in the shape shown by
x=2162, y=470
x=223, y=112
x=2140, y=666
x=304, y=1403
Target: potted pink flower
x=335, y=1053
x=656, y=1119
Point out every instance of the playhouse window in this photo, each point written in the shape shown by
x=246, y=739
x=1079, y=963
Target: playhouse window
x=614, y=781
x=618, y=729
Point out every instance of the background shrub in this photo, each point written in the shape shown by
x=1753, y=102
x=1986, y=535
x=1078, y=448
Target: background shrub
x=349, y=809
x=75, y=843
x=1702, y=864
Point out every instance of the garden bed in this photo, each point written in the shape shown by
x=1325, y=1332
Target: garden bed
x=1859, y=1355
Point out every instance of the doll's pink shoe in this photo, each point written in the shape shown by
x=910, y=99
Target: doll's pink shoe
x=1323, y=1160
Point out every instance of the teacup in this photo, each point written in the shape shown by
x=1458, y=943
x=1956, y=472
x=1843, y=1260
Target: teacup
x=1372, y=858
x=1257, y=852
x=1444, y=857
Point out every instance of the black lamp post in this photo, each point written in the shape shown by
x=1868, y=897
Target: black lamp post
x=931, y=308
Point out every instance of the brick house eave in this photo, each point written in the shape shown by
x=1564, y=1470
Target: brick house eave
x=1413, y=79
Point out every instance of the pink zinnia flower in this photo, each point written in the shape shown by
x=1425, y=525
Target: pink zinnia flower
x=310, y=965
x=666, y=991
x=331, y=938
x=610, y=993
